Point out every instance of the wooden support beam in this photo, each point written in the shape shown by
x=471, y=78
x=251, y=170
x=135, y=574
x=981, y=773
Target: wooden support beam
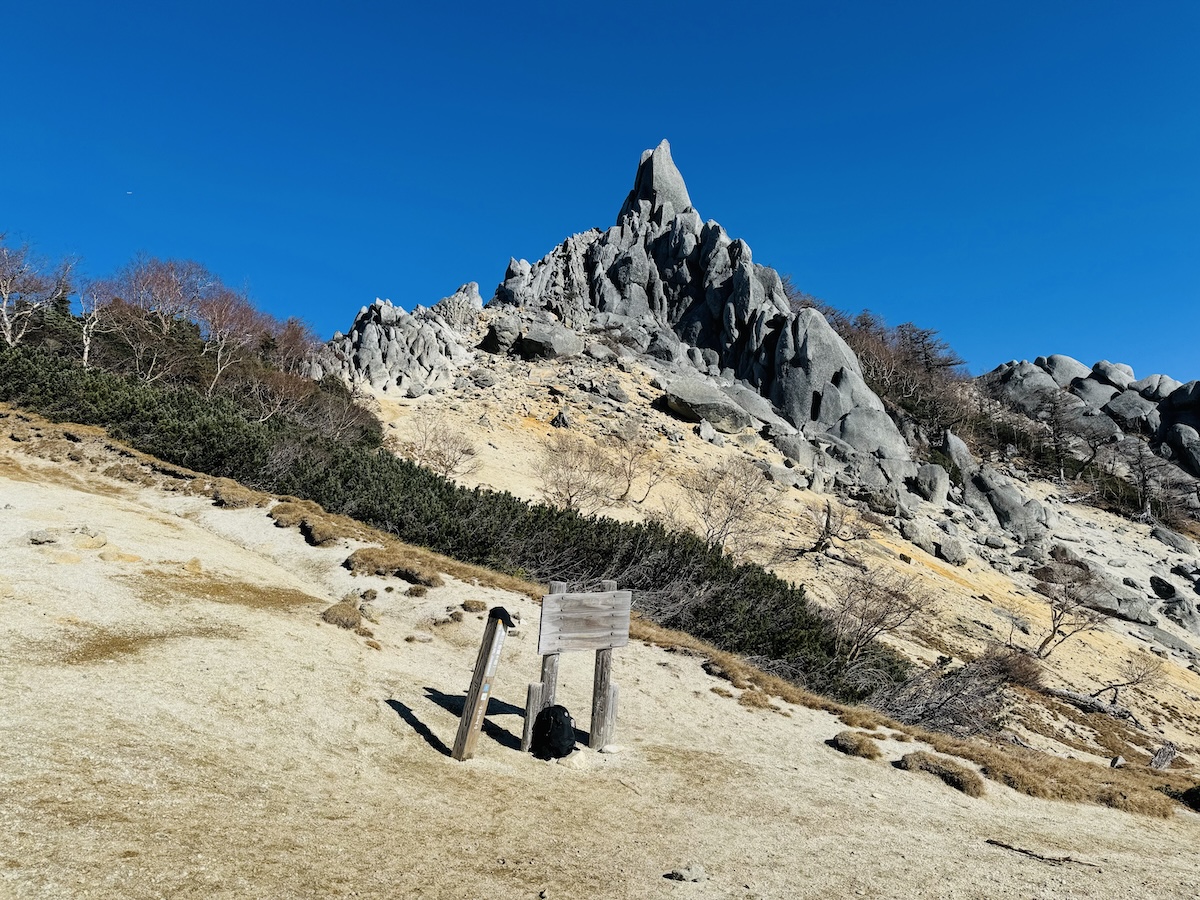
x=533, y=705
x=480, y=691
x=550, y=663
x=603, y=701
x=604, y=692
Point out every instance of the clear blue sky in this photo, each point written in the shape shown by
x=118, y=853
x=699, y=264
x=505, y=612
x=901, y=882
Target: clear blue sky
x=1022, y=176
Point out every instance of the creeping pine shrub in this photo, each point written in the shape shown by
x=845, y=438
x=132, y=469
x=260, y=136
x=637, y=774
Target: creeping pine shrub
x=954, y=774
x=855, y=743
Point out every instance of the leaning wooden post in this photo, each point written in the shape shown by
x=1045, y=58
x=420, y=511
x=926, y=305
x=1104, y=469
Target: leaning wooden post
x=480, y=691
x=604, y=693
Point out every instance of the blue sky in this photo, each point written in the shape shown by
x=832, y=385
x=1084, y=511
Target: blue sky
x=1023, y=177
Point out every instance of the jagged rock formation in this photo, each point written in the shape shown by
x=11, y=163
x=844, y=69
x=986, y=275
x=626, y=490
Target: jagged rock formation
x=665, y=285
x=411, y=354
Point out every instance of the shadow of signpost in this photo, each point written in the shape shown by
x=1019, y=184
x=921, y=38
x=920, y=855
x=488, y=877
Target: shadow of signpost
x=453, y=704
x=419, y=727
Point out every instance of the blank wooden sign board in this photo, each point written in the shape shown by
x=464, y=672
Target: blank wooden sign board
x=593, y=621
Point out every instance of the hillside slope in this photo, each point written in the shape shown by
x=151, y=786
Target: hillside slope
x=177, y=721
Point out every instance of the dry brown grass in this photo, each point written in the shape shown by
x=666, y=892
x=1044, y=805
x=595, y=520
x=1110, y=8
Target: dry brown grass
x=375, y=645
x=855, y=743
x=168, y=587
x=394, y=562
x=755, y=699
x=954, y=774
x=343, y=615
x=318, y=527
x=231, y=495
x=417, y=590
x=474, y=606
x=1131, y=788
x=102, y=644
x=858, y=717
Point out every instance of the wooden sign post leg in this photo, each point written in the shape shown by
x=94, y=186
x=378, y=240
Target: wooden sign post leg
x=541, y=693
x=604, y=694
x=481, y=690
x=550, y=662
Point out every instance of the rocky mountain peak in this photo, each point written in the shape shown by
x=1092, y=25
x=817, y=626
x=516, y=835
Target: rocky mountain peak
x=659, y=186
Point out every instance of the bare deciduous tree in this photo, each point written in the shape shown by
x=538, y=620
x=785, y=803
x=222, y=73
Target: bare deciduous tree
x=729, y=504
x=577, y=474
x=632, y=459
x=437, y=446
x=871, y=604
x=153, y=304
x=1069, y=612
x=290, y=346
x=231, y=328
x=28, y=285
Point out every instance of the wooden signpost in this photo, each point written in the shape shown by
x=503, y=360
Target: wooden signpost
x=594, y=621
x=480, y=691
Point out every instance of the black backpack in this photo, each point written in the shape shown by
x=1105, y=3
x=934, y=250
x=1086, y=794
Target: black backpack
x=553, y=733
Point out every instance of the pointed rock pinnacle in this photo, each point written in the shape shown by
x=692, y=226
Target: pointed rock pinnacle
x=658, y=183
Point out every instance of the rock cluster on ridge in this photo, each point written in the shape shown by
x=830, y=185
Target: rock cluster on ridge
x=1106, y=403
x=411, y=354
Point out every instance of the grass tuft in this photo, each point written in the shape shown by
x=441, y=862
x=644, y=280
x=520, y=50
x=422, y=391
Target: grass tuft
x=954, y=774
x=393, y=561
x=855, y=743
x=343, y=615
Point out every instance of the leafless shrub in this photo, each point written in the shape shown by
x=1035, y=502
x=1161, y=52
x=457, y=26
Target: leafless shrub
x=967, y=700
x=952, y=773
x=1070, y=613
x=855, y=743
x=835, y=526
x=729, y=504
x=439, y=447
x=1140, y=669
x=632, y=458
x=871, y=604
x=574, y=473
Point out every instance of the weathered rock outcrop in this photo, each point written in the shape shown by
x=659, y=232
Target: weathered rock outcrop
x=1103, y=404
x=411, y=354
x=683, y=292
